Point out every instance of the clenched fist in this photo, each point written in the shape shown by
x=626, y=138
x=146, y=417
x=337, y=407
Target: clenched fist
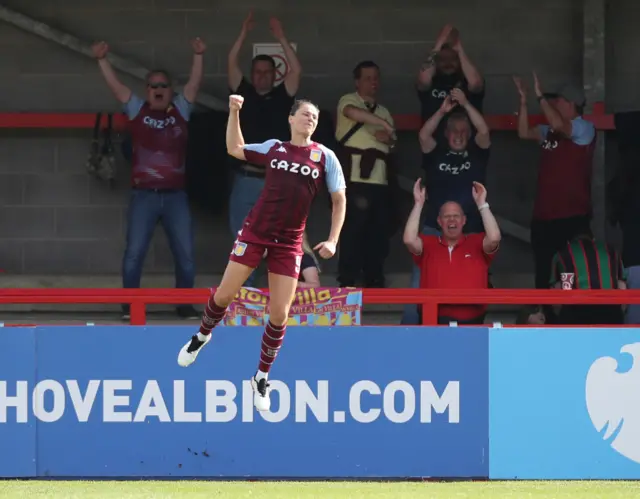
x=326, y=249
x=100, y=50
x=235, y=102
x=198, y=46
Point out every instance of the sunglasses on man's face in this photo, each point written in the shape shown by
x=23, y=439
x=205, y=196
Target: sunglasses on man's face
x=158, y=85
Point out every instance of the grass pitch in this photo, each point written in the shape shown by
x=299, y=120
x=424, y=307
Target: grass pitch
x=308, y=490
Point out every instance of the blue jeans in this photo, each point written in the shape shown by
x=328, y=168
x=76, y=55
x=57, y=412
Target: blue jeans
x=633, y=282
x=244, y=194
x=146, y=208
x=410, y=316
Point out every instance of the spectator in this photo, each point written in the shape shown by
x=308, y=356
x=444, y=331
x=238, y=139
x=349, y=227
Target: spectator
x=159, y=127
x=585, y=263
x=562, y=208
x=451, y=168
x=365, y=132
x=454, y=260
x=446, y=68
x=309, y=266
x=264, y=115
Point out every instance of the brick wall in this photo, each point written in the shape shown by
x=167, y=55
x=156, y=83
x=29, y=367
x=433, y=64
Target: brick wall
x=56, y=219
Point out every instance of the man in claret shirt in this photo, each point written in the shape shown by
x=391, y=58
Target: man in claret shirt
x=562, y=208
x=158, y=125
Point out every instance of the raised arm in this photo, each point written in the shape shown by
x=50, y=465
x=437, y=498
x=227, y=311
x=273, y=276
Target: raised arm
x=234, y=73
x=471, y=73
x=121, y=91
x=428, y=68
x=292, y=80
x=235, y=140
x=336, y=186
x=524, y=130
x=482, y=137
x=554, y=118
x=411, y=237
x=492, y=233
x=192, y=87
x=427, y=142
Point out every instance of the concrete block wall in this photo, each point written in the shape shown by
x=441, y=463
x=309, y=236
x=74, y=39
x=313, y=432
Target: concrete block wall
x=54, y=219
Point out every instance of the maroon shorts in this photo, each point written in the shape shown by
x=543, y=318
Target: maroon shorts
x=281, y=260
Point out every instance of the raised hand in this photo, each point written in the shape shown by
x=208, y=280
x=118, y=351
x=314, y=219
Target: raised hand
x=447, y=104
x=536, y=85
x=479, y=193
x=235, y=102
x=419, y=192
x=198, y=46
x=454, y=40
x=458, y=95
x=522, y=89
x=276, y=28
x=100, y=50
x=248, y=24
x=444, y=35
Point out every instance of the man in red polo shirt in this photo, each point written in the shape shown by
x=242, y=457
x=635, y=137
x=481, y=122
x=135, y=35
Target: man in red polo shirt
x=454, y=260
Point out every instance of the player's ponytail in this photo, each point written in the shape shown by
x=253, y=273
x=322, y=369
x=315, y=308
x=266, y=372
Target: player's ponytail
x=306, y=247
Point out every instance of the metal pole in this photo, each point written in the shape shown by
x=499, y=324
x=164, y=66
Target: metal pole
x=594, y=87
x=72, y=43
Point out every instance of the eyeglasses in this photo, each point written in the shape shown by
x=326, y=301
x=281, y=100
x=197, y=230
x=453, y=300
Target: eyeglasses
x=158, y=85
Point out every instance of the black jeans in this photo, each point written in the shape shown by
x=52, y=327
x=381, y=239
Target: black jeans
x=364, y=242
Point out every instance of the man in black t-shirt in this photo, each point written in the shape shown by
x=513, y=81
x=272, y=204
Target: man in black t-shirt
x=446, y=68
x=264, y=115
x=451, y=168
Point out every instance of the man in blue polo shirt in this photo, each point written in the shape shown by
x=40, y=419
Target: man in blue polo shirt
x=451, y=168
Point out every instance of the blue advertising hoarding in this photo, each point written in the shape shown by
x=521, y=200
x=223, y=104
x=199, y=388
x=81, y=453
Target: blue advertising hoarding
x=565, y=403
x=347, y=402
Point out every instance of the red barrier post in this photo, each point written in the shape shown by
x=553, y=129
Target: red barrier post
x=138, y=313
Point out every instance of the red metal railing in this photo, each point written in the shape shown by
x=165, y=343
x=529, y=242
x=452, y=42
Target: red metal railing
x=404, y=122
x=429, y=299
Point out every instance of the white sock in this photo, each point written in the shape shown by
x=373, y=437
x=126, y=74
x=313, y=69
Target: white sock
x=202, y=337
x=260, y=375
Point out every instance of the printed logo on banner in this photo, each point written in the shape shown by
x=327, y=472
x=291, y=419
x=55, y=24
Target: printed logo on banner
x=311, y=307
x=101, y=409
x=572, y=402
x=613, y=402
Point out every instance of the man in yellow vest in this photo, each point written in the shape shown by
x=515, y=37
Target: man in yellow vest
x=366, y=135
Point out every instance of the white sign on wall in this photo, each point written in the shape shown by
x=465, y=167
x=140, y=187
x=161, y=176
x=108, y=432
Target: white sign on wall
x=275, y=50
